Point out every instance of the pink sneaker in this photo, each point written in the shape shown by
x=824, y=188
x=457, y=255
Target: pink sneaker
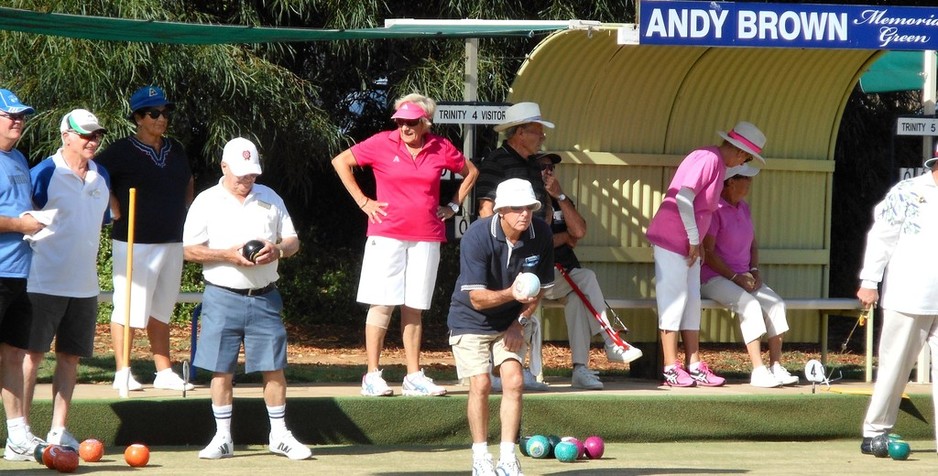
x=678, y=377
x=705, y=377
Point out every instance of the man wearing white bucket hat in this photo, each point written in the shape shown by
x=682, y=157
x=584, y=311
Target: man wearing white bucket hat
x=675, y=231
x=524, y=135
x=898, y=255
x=488, y=314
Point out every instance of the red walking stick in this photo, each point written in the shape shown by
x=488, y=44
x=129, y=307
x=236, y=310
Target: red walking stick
x=607, y=328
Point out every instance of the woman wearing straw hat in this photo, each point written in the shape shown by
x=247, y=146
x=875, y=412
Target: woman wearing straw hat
x=405, y=228
x=675, y=232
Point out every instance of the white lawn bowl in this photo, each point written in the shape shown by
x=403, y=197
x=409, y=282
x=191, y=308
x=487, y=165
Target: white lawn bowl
x=527, y=285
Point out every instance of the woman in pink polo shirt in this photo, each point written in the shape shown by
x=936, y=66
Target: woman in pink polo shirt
x=730, y=276
x=405, y=229
x=675, y=232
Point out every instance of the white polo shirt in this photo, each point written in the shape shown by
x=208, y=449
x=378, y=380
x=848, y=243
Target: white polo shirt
x=219, y=220
x=65, y=262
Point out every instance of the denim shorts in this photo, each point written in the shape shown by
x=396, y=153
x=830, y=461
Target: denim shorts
x=230, y=319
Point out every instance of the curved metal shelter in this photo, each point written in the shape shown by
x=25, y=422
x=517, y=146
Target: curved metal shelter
x=626, y=116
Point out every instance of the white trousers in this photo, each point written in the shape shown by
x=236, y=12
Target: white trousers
x=760, y=312
x=677, y=290
x=581, y=324
x=900, y=342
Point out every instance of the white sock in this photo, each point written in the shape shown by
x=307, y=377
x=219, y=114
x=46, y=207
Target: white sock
x=16, y=430
x=222, y=419
x=695, y=366
x=669, y=367
x=507, y=449
x=278, y=424
x=480, y=449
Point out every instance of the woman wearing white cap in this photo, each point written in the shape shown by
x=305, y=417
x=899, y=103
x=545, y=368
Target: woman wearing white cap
x=405, y=229
x=730, y=275
x=675, y=231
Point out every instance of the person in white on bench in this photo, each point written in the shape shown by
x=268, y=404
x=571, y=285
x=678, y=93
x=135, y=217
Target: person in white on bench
x=730, y=275
x=569, y=227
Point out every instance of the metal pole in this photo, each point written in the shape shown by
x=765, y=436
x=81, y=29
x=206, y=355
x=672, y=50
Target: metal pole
x=470, y=94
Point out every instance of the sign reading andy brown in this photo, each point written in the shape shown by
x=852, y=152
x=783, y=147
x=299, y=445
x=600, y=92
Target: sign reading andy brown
x=771, y=25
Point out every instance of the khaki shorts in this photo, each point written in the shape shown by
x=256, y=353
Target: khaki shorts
x=475, y=353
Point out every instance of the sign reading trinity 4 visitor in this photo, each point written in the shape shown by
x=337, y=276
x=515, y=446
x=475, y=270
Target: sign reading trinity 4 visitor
x=666, y=22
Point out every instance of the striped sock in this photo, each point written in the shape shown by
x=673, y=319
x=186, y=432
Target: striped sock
x=278, y=424
x=222, y=419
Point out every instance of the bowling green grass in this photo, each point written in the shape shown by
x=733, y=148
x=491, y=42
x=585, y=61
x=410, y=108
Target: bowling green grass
x=330, y=354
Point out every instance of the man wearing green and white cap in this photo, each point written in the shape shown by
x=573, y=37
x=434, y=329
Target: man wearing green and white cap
x=72, y=192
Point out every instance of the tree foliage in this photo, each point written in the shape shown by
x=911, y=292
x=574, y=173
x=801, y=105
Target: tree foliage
x=304, y=102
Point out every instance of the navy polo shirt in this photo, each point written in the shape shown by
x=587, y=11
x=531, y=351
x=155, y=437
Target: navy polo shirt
x=487, y=261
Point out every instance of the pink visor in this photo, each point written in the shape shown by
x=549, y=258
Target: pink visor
x=409, y=110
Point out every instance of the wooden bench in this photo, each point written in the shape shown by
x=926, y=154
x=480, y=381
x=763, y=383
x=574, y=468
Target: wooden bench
x=826, y=306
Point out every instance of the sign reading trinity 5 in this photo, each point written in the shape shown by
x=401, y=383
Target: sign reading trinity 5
x=666, y=22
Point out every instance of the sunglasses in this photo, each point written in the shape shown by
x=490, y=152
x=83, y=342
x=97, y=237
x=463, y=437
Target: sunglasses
x=94, y=136
x=526, y=208
x=547, y=167
x=14, y=117
x=156, y=113
x=407, y=122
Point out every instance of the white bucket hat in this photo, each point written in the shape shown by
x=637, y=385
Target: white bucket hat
x=515, y=193
x=522, y=113
x=747, y=137
x=744, y=170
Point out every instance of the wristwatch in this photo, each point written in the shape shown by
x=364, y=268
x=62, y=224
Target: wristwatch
x=561, y=197
x=454, y=206
x=524, y=320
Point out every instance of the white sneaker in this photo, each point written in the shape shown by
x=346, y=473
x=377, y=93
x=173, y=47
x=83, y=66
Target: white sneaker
x=762, y=377
x=373, y=385
x=583, y=378
x=509, y=468
x=419, y=385
x=220, y=447
x=483, y=466
x=531, y=383
x=166, y=379
x=783, y=376
x=286, y=445
x=21, y=452
x=62, y=438
x=617, y=353
x=120, y=379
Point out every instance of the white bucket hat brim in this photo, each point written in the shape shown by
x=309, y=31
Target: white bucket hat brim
x=523, y=113
x=747, y=137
